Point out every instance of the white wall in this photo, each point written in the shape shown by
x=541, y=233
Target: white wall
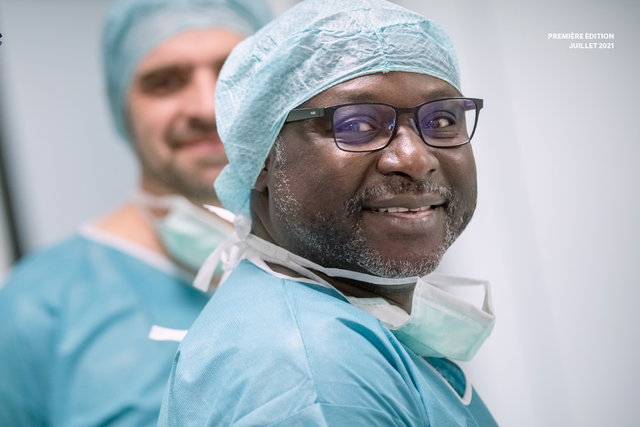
x=556, y=229
x=557, y=149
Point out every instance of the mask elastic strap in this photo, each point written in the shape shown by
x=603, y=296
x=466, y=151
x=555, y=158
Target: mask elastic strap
x=269, y=252
x=222, y=213
x=230, y=252
x=279, y=254
x=438, y=279
x=146, y=201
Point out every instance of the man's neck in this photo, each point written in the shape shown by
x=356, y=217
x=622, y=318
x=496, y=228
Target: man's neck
x=131, y=224
x=153, y=188
x=400, y=296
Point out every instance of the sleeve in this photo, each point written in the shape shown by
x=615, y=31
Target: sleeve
x=26, y=329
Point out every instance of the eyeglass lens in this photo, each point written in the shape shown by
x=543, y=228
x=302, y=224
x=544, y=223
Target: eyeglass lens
x=366, y=127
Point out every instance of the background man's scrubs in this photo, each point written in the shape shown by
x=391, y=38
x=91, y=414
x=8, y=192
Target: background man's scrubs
x=74, y=326
x=268, y=351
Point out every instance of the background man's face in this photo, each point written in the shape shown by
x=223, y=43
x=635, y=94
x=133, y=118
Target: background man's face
x=172, y=112
x=324, y=203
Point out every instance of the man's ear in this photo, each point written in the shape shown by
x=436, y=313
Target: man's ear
x=262, y=182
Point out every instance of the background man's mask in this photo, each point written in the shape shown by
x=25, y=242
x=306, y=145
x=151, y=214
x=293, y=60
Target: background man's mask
x=188, y=233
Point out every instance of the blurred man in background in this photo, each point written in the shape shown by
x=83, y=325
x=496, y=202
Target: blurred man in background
x=89, y=327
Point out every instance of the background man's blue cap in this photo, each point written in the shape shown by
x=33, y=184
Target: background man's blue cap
x=135, y=27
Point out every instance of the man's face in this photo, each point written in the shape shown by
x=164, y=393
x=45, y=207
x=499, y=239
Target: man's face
x=172, y=113
x=329, y=205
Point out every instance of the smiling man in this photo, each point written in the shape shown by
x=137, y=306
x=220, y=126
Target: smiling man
x=348, y=144
x=88, y=328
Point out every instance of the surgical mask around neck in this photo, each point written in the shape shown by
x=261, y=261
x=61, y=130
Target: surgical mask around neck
x=188, y=233
x=440, y=324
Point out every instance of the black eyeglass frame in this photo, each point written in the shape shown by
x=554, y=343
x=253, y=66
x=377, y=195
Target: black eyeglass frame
x=298, y=114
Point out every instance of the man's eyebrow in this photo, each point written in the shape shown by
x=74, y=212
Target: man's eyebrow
x=169, y=68
x=177, y=67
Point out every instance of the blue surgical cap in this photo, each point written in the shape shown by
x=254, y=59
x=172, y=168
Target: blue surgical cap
x=308, y=49
x=135, y=27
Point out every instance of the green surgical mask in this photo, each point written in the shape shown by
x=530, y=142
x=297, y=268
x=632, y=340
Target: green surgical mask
x=188, y=233
x=440, y=324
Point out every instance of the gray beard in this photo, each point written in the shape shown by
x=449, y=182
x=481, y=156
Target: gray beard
x=327, y=244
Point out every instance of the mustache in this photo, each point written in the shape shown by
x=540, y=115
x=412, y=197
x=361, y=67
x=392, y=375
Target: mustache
x=397, y=186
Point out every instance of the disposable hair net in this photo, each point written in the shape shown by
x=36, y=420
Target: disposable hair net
x=310, y=48
x=134, y=28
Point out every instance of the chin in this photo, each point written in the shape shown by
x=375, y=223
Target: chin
x=394, y=268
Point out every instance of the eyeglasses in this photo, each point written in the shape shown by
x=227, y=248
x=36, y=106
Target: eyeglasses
x=443, y=123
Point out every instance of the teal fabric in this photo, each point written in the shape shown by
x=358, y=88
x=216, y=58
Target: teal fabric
x=274, y=352
x=135, y=27
x=74, y=321
x=451, y=372
x=312, y=47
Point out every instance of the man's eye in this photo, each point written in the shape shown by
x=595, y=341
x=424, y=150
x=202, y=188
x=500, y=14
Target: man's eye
x=442, y=125
x=440, y=122
x=356, y=125
x=164, y=82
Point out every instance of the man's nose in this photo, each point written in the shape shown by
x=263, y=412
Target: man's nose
x=407, y=154
x=199, y=101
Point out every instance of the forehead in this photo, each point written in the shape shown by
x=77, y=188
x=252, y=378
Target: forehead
x=191, y=47
x=399, y=88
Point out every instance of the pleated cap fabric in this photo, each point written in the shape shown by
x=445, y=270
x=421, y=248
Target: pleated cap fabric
x=308, y=49
x=133, y=28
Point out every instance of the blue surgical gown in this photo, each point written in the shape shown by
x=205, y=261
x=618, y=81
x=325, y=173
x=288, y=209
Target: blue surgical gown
x=74, y=346
x=270, y=351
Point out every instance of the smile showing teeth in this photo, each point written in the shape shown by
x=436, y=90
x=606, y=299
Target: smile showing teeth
x=400, y=209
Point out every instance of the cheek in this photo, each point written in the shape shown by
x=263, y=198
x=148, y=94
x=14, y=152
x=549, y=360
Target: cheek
x=150, y=117
x=459, y=168
x=324, y=179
